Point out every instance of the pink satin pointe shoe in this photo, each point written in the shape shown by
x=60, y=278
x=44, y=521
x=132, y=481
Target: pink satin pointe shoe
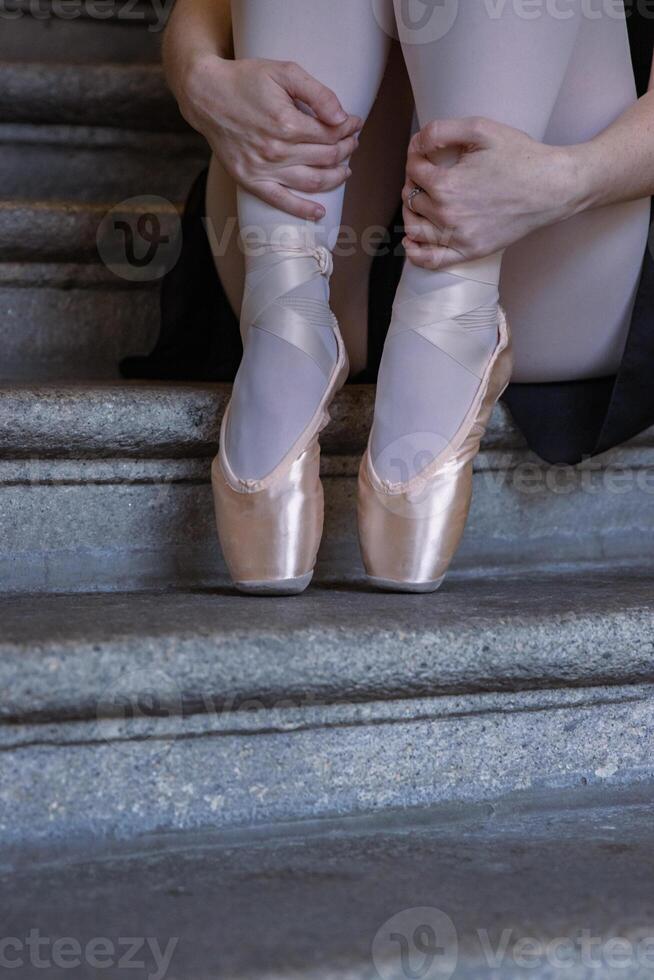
x=270, y=528
x=409, y=532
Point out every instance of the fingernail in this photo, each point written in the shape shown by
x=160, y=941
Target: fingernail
x=348, y=172
x=319, y=213
x=341, y=116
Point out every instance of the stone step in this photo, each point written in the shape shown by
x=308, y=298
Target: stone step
x=72, y=322
x=93, y=164
x=64, y=313
x=106, y=487
x=183, y=765
x=117, y=95
x=70, y=657
x=49, y=37
x=61, y=232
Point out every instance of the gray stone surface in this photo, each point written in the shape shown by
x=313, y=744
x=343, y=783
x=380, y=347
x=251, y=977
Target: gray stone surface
x=49, y=234
x=80, y=40
x=305, y=902
x=126, y=96
x=172, y=420
x=317, y=823
x=336, y=643
x=106, y=486
x=89, y=164
x=72, y=322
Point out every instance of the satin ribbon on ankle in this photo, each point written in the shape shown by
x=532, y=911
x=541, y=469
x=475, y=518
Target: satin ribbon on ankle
x=433, y=315
x=285, y=266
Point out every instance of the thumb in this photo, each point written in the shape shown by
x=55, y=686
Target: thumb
x=440, y=133
x=320, y=99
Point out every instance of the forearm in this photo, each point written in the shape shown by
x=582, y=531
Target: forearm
x=197, y=30
x=618, y=164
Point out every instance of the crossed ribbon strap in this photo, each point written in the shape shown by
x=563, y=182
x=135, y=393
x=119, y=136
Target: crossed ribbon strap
x=434, y=315
x=278, y=270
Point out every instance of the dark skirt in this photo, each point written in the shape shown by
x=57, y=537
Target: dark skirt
x=563, y=422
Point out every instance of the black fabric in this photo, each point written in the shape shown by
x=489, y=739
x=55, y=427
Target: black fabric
x=640, y=24
x=199, y=339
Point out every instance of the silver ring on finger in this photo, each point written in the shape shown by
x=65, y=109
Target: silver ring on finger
x=413, y=194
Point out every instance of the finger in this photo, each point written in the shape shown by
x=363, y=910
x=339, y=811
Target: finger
x=313, y=180
x=299, y=127
x=434, y=257
x=284, y=200
x=471, y=130
x=325, y=103
x=322, y=155
x=423, y=173
x=420, y=230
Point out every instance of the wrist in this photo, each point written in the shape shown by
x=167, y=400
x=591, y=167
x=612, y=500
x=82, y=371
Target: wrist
x=580, y=186
x=198, y=74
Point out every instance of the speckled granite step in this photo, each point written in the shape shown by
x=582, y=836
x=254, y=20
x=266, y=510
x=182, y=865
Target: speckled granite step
x=323, y=764
x=106, y=486
x=123, y=96
x=66, y=314
x=127, y=33
x=70, y=657
x=90, y=164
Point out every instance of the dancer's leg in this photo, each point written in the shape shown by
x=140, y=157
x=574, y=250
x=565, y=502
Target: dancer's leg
x=568, y=289
x=279, y=386
x=371, y=198
x=489, y=63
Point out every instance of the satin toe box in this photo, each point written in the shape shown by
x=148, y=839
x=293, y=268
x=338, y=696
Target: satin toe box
x=270, y=530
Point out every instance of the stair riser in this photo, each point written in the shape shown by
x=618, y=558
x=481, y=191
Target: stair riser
x=118, y=524
x=91, y=167
x=126, y=96
x=50, y=333
x=80, y=40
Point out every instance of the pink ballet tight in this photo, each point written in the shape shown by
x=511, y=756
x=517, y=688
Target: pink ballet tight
x=561, y=79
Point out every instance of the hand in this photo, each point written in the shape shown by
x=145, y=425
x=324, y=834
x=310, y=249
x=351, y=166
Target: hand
x=247, y=112
x=503, y=185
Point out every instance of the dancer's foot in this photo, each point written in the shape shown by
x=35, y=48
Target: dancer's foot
x=445, y=363
x=267, y=491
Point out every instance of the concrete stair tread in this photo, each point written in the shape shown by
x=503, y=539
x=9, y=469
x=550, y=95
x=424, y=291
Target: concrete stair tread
x=85, y=164
x=110, y=95
x=212, y=650
x=60, y=231
x=151, y=419
x=49, y=38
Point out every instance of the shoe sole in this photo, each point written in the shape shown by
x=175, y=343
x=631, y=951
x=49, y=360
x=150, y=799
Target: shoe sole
x=390, y=585
x=279, y=587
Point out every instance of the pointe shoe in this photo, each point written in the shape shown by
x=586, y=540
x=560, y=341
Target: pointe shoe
x=270, y=529
x=409, y=532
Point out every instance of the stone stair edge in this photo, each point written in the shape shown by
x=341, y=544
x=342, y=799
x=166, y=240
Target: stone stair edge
x=214, y=652
x=155, y=418
x=280, y=784
x=64, y=231
x=110, y=94
x=132, y=418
